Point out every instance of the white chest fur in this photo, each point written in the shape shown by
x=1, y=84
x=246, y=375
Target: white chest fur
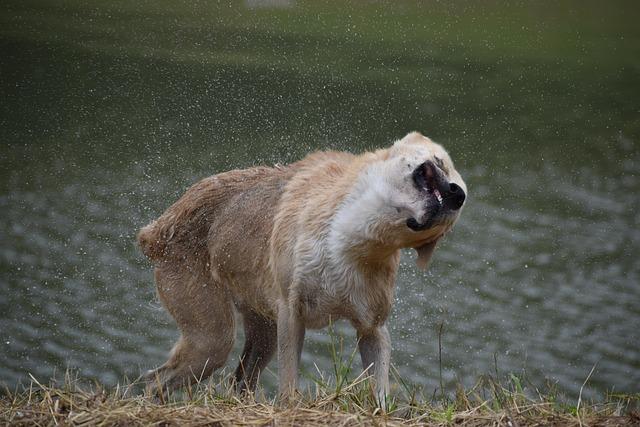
x=326, y=290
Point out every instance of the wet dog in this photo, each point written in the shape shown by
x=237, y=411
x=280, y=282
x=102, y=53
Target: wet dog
x=296, y=247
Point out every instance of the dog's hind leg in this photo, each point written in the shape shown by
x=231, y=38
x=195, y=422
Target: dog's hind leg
x=204, y=313
x=260, y=344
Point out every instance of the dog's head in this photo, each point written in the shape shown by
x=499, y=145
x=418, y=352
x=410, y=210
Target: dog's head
x=426, y=193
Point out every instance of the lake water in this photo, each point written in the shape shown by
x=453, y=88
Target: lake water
x=109, y=112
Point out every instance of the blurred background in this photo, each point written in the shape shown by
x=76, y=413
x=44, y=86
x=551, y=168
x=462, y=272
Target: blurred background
x=110, y=110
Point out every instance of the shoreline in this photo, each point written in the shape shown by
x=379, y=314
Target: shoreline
x=340, y=403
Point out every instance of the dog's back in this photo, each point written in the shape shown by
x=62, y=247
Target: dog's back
x=232, y=200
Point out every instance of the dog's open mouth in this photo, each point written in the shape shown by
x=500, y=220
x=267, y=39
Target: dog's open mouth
x=427, y=177
x=433, y=190
x=441, y=195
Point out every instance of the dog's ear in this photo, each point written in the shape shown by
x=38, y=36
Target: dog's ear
x=424, y=254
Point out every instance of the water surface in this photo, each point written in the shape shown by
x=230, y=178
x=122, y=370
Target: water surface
x=110, y=111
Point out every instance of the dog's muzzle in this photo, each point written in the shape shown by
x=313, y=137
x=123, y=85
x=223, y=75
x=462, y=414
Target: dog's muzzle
x=442, y=196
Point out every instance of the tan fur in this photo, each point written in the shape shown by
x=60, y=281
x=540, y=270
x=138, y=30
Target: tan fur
x=286, y=247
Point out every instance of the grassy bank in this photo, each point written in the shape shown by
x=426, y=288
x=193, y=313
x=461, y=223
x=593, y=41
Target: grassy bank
x=338, y=403
x=339, y=398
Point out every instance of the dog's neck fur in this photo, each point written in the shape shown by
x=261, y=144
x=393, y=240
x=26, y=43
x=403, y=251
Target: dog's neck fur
x=357, y=229
x=357, y=248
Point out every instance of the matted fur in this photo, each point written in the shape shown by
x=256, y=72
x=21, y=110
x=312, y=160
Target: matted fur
x=291, y=248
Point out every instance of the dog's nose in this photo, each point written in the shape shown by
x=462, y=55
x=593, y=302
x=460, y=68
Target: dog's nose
x=454, y=198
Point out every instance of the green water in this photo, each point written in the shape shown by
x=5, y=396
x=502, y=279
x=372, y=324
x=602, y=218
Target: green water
x=109, y=110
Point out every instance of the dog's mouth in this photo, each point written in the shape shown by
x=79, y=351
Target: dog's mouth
x=441, y=196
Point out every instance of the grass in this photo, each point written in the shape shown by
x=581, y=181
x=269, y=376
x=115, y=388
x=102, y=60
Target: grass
x=92, y=82
x=352, y=403
x=337, y=400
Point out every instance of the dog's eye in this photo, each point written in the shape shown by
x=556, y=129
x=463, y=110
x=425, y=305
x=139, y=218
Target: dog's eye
x=438, y=161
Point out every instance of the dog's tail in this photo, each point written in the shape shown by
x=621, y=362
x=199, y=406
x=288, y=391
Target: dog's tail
x=181, y=231
x=152, y=241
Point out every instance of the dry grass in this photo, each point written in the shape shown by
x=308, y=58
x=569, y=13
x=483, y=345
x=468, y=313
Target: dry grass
x=337, y=404
x=333, y=401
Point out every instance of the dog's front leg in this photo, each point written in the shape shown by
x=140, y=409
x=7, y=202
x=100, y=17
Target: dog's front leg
x=375, y=351
x=290, y=339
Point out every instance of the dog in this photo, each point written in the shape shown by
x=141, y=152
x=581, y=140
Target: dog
x=296, y=247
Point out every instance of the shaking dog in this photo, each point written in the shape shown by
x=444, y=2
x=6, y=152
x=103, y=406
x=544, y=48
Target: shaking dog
x=296, y=247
